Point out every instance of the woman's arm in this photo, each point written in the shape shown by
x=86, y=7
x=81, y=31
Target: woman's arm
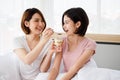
x=78, y=65
x=56, y=65
x=55, y=68
x=28, y=58
x=45, y=65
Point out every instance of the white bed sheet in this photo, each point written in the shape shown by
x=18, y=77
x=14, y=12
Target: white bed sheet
x=89, y=74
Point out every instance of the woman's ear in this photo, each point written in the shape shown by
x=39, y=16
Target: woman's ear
x=78, y=24
x=26, y=23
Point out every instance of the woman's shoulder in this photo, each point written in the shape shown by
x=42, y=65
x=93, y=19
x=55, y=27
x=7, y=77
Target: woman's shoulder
x=91, y=44
x=19, y=39
x=19, y=42
x=89, y=40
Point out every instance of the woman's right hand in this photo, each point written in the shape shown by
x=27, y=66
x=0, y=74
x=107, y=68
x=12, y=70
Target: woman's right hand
x=47, y=33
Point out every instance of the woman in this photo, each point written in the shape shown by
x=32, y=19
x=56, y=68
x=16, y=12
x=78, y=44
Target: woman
x=77, y=49
x=32, y=48
x=77, y=52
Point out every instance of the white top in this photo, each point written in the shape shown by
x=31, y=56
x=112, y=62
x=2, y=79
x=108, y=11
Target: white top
x=29, y=72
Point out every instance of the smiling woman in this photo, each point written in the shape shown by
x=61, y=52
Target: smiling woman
x=10, y=17
x=32, y=48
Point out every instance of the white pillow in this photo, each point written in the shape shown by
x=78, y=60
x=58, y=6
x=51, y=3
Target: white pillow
x=9, y=67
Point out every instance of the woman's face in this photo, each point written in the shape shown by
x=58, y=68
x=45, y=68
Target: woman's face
x=69, y=26
x=36, y=24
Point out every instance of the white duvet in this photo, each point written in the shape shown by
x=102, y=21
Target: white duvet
x=89, y=74
x=98, y=74
x=9, y=70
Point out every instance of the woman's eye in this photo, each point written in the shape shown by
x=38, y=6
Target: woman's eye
x=66, y=22
x=36, y=20
x=41, y=20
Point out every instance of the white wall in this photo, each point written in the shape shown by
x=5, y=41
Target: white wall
x=108, y=56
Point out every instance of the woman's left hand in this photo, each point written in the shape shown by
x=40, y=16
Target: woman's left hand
x=52, y=48
x=56, y=49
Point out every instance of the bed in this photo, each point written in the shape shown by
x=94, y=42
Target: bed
x=9, y=70
x=88, y=73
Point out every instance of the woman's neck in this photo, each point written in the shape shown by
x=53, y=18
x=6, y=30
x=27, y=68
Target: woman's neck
x=33, y=37
x=32, y=40
x=74, y=39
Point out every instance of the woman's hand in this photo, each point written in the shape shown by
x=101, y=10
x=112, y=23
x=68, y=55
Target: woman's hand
x=58, y=45
x=54, y=48
x=58, y=49
x=47, y=33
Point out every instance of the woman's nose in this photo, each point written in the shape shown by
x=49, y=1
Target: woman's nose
x=41, y=23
